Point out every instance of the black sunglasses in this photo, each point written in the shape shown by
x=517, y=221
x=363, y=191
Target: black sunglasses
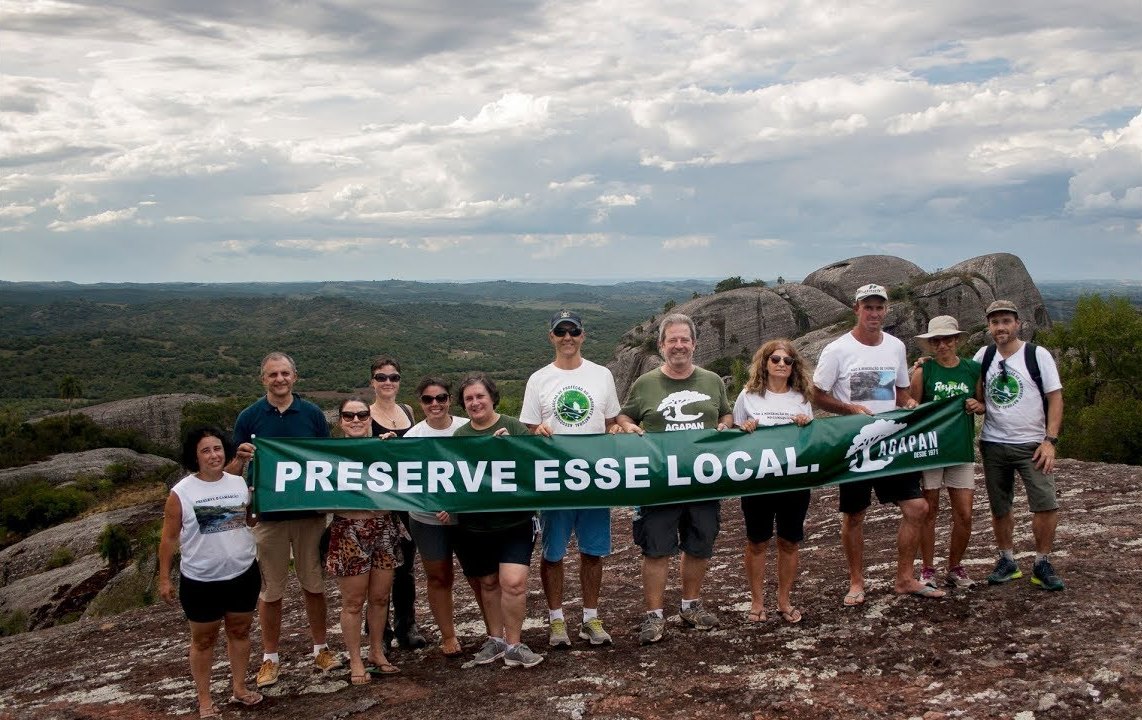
x=442, y=398
x=360, y=415
x=561, y=331
x=381, y=377
x=778, y=359
x=1003, y=370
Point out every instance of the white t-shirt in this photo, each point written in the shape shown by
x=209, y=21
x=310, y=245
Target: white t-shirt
x=214, y=541
x=571, y=402
x=422, y=430
x=863, y=374
x=772, y=408
x=1014, y=405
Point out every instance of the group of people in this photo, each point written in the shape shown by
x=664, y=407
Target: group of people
x=232, y=561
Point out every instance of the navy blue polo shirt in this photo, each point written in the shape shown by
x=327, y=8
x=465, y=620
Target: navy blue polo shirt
x=301, y=419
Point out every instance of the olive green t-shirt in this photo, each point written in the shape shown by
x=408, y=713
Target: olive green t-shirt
x=659, y=403
x=496, y=520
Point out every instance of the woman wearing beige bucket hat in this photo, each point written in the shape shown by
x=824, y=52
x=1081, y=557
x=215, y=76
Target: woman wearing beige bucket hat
x=947, y=375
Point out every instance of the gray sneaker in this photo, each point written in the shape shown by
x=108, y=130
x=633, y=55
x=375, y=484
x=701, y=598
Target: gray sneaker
x=490, y=651
x=558, y=636
x=699, y=617
x=593, y=631
x=1005, y=571
x=653, y=628
x=521, y=655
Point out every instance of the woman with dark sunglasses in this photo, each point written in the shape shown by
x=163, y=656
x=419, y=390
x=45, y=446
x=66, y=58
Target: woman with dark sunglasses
x=778, y=392
x=434, y=533
x=364, y=550
x=390, y=419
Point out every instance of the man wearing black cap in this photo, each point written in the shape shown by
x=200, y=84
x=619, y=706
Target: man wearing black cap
x=572, y=396
x=1020, y=429
x=865, y=371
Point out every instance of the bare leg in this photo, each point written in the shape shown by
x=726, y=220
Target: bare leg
x=202, y=639
x=907, y=541
x=755, y=574
x=315, y=613
x=440, y=579
x=928, y=536
x=590, y=578
x=1004, y=528
x=1043, y=528
x=852, y=541
x=238, y=650
x=270, y=618
x=353, y=590
x=693, y=573
x=961, y=500
x=786, y=573
x=654, y=572
x=380, y=588
x=551, y=577
x=513, y=599
x=493, y=612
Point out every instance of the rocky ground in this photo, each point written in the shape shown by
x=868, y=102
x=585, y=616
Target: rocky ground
x=1011, y=651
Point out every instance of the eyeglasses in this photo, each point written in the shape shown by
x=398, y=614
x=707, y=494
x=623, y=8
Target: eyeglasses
x=572, y=331
x=359, y=415
x=778, y=359
x=381, y=377
x=442, y=398
x=950, y=339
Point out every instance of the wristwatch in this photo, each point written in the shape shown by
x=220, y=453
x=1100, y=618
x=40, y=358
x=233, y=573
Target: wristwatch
x=1053, y=439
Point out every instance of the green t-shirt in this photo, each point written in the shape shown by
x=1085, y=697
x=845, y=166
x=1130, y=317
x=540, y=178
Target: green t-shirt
x=659, y=403
x=499, y=520
x=941, y=382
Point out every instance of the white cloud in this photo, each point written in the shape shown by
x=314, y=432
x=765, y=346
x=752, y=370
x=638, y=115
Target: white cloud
x=107, y=217
x=768, y=242
x=685, y=242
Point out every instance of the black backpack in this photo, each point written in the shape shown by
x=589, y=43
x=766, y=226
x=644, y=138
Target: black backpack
x=1029, y=359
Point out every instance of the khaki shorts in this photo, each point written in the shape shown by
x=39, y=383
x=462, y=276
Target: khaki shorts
x=276, y=539
x=1000, y=463
x=960, y=477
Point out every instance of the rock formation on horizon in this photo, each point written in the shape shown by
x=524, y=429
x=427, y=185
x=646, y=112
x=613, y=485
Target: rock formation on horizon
x=818, y=309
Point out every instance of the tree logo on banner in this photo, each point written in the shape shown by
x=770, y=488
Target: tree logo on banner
x=866, y=439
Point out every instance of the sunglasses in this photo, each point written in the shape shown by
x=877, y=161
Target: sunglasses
x=359, y=415
x=381, y=377
x=561, y=331
x=949, y=339
x=778, y=359
x=442, y=398
x=1003, y=370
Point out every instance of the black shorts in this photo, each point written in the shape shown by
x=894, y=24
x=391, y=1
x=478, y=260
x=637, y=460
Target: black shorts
x=787, y=509
x=205, y=602
x=481, y=552
x=857, y=496
x=660, y=530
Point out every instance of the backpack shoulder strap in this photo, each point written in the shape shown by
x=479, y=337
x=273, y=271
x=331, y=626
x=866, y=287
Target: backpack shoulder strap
x=985, y=362
x=1032, y=362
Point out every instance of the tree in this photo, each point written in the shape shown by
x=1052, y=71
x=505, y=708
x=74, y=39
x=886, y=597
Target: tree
x=114, y=546
x=669, y=305
x=780, y=280
x=1101, y=371
x=735, y=282
x=69, y=389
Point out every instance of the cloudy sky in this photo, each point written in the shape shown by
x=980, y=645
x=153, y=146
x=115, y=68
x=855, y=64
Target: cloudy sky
x=213, y=140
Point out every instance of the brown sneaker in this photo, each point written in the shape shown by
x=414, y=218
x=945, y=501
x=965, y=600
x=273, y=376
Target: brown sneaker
x=267, y=673
x=325, y=660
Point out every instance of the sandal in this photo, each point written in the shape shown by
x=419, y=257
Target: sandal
x=382, y=669
x=249, y=700
x=755, y=616
x=854, y=598
x=791, y=616
x=363, y=679
x=210, y=712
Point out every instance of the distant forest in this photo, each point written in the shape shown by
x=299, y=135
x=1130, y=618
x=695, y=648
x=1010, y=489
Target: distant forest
x=130, y=340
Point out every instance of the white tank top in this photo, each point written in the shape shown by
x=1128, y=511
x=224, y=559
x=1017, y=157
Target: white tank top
x=215, y=542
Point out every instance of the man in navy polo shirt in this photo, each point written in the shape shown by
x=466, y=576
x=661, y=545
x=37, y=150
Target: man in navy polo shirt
x=282, y=414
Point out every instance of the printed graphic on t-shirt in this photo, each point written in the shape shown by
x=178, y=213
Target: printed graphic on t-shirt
x=671, y=405
x=953, y=388
x=573, y=405
x=219, y=518
x=872, y=385
x=1004, y=389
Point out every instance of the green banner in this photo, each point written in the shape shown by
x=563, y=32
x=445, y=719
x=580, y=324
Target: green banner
x=582, y=471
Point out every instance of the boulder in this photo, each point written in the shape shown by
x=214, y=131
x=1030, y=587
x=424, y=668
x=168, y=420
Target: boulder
x=158, y=417
x=134, y=587
x=60, y=594
x=30, y=556
x=841, y=279
x=66, y=467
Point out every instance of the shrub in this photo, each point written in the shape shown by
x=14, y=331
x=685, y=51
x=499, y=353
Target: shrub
x=38, y=505
x=61, y=557
x=13, y=622
x=114, y=546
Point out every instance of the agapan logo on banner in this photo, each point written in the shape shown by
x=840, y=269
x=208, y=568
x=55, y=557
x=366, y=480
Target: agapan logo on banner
x=879, y=436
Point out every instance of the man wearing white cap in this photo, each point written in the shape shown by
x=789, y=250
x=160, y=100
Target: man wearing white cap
x=865, y=371
x=1024, y=414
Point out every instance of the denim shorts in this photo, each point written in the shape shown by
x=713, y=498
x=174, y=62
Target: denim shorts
x=592, y=530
